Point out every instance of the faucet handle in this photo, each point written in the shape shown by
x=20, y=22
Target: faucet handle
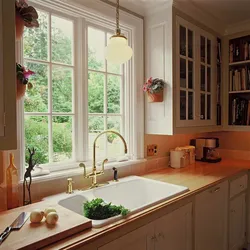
x=115, y=174
x=82, y=165
x=70, y=186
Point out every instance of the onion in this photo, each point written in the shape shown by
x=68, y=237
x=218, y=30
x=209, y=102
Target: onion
x=36, y=216
x=52, y=218
x=48, y=210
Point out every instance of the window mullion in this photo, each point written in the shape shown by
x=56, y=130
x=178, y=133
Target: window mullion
x=50, y=93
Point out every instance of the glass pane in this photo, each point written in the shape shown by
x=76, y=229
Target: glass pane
x=36, y=135
x=190, y=106
x=36, y=99
x=182, y=40
x=183, y=105
x=113, y=68
x=190, y=74
x=208, y=107
x=203, y=105
x=62, y=138
x=96, y=126
x=208, y=79
x=35, y=41
x=62, y=82
x=190, y=43
x=203, y=78
x=183, y=73
x=203, y=49
x=61, y=40
x=96, y=45
x=96, y=92
x=115, y=144
x=208, y=51
x=114, y=94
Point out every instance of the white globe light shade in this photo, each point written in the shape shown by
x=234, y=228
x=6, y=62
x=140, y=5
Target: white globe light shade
x=118, y=51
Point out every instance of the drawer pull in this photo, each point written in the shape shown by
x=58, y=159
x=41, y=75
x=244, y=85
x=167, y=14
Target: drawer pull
x=233, y=211
x=215, y=190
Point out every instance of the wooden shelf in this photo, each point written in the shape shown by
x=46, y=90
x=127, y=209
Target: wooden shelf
x=239, y=92
x=239, y=63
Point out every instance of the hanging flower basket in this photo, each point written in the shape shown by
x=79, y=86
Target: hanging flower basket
x=154, y=89
x=155, y=97
x=20, y=89
x=19, y=26
x=25, y=16
x=22, y=80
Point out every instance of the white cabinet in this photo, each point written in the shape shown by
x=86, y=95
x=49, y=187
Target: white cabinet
x=211, y=209
x=140, y=239
x=8, y=139
x=237, y=222
x=184, y=55
x=172, y=231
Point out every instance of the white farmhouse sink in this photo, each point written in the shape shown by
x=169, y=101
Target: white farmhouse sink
x=134, y=193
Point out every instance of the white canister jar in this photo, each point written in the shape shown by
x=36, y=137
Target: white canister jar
x=177, y=158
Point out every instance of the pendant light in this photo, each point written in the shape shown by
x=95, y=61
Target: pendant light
x=118, y=51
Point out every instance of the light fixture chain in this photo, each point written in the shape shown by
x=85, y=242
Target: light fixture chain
x=118, y=31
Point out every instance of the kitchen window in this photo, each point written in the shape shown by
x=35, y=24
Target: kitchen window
x=76, y=94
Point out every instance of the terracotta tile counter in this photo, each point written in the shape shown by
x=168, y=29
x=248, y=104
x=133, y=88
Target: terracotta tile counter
x=196, y=177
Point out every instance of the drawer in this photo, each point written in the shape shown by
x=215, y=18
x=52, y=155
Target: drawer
x=238, y=185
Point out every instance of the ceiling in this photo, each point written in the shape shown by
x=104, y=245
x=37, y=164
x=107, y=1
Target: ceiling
x=227, y=11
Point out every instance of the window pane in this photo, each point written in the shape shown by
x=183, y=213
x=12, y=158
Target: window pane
x=203, y=49
x=183, y=105
x=190, y=43
x=61, y=40
x=36, y=135
x=208, y=51
x=115, y=144
x=183, y=73
x=208, y=79
x=114, y=94
x=190, y=105
x=182, y=40
x=203, y=78
x=203, y=105
x=36, y=99
x=208, y=107
x=96, y=92
x=96, y=45
x=113, y=68
x=190, y=74
x=62, y=138
x=62, y=81
x=35, y=41
x=96, y=125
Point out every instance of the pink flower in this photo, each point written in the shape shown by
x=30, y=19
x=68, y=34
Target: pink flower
x=145, y=87
x=150, y=80
x=28, y=73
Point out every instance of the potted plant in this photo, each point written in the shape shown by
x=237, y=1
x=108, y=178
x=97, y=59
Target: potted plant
x=22, y=80
x=25, y=16
x=154, y=89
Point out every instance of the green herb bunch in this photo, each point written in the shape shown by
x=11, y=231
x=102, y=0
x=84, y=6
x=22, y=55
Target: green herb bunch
x=97, y=209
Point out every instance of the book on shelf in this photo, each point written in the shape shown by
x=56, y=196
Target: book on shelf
x=239, y=50
x=240, y=111
x=239, y=79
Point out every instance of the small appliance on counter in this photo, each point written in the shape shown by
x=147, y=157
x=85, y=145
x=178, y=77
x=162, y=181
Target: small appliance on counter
x=206, y=149
x=182, y=156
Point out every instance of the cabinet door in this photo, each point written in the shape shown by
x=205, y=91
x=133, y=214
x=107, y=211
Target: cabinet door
x=185, y=73
x=174, y=231
x=140, y=239
x=211, y=218
x=8, y=138
x=237, y=222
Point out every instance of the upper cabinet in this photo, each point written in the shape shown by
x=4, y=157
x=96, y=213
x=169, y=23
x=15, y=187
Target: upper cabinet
x=8, y=138
x=184, y=55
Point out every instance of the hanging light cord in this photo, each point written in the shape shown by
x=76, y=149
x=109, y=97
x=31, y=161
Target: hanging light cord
x=118, y=30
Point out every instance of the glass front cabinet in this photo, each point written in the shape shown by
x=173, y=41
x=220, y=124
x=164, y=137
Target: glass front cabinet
x=195, y=76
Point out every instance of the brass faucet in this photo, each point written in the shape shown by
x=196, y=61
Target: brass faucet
x=70, y=186
x=94, y=172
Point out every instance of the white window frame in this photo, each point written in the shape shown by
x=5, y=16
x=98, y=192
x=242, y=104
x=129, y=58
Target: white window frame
x=102, y=15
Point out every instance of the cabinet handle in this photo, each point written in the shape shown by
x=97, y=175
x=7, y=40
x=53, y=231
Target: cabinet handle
x=161, y=235
x=242, y=186
x=233, y=211
x=215, y=190
x=154, y=238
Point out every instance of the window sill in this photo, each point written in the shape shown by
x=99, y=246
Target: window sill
x=78, y=171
